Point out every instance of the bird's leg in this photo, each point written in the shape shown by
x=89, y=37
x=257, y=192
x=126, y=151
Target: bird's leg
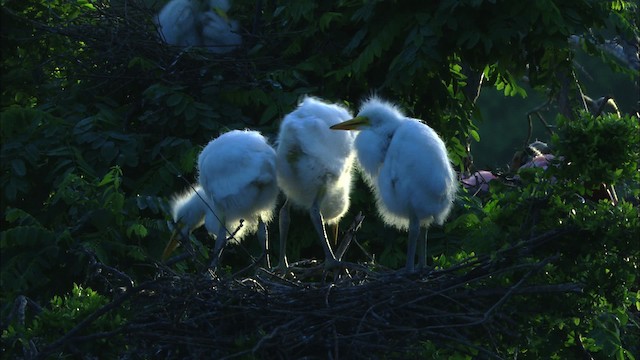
x=332, y=229
x=414, y=233
x=284, y=221
x=263, y=238
x=221, y=241
x=422, y=250
x=316, y=218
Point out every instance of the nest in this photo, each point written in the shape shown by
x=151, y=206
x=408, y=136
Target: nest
x=267, y=317
x=355, y=312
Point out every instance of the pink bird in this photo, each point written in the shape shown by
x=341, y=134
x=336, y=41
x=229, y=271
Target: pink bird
x=539, y=161
x=478, y=182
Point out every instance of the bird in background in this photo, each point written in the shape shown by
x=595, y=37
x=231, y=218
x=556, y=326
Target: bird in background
x=478, y=182
x=314, y=169
x=202, y=23
x=406, y=165
x=535, y=155
x=237, y=181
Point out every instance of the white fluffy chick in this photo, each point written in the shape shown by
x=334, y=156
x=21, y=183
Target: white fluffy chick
x=314, y=168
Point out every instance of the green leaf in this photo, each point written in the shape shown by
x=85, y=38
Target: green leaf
x=19, y=168
x=138, y=230
x=174, y=99
x=109, y=151
x=474, y=134
x=327, y=18
x=269, y=114
x=190, y=113
x=13, y=215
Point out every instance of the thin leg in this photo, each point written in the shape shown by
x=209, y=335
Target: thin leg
x=332, y=229
x=284, y=221
x=316, y=219
x=263, y=238
x=422, y=250
x=414, y=233
x=221, y=241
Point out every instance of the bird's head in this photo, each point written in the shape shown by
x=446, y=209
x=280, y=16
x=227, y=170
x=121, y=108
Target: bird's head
x=374, y=114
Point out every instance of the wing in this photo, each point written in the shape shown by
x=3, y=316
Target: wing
x=177, y=21
x=416, y=176
x=306, y=131
x=311, y=156
x=234, y=161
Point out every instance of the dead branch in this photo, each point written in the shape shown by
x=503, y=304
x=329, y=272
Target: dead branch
x=368, y=312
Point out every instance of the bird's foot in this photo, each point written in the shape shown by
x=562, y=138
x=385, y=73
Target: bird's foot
x=333, y=264
x=283, y=270
x=337, y=269
x=280, y=268
x=408, y=270
x=210, y=274
x=413, y=271
x=262, y=261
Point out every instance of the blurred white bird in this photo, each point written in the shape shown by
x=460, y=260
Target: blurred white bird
x=406, y=165
x=314, y=168
x=199, y=23
x=237, y=181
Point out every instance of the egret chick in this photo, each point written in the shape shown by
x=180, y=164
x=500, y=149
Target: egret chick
x=188, y=211
x=237, y=173
x=406, y=165
x=192, y=209
x=219, y=34
x=314, y=166
x=177, y=23
x=199, y=23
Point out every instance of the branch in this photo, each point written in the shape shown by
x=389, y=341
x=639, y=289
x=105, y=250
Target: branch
x=49, y=349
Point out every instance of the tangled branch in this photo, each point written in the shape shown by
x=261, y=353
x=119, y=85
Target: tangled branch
x=363, y=313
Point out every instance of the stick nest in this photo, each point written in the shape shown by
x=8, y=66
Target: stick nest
x=357, y=313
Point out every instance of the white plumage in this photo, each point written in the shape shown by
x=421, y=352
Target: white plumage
x=406, y=165
x=237, y=178
x=314, y=168
x=189, y=209
x=199, y=23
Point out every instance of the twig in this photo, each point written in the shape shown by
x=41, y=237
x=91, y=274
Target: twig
x=536, y=111
x=349, y=235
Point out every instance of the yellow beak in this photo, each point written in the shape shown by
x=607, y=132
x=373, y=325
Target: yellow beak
x=353, y=124
x=172, y=245
x=221, y=13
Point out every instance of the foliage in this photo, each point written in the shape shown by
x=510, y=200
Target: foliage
x=603, y=259
x=92, y=219
x=63, y=314
x=604, y=149
x=101, y=122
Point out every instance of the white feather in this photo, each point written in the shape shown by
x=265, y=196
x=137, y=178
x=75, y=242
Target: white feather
x=312, y=159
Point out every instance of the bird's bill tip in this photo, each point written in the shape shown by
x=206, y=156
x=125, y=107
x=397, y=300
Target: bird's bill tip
x=352, y=124
x=221, y=13
x=172, y=245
